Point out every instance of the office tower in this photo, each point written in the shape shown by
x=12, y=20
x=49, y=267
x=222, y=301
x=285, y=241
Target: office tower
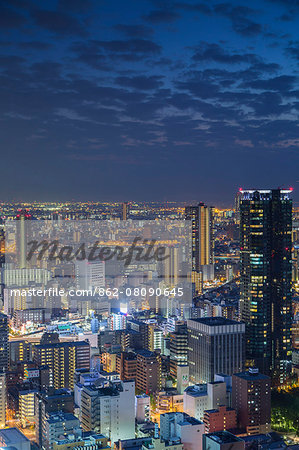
x=109, y=409
x=251, y=398
x=222, y=440
x=89, y=274
x=178, y=425
x=216, y=345
x=125, y=211
x=2, y=400
x=200, y=397
x=266, y=276
x=220, y=419
x=178, y=347
x=202, y=217
x=142, y=408
x=57, y=424
x=170, y=266
x=22, y=234
x=63, y=359
x=143, y=330
x=126, y=365
x=14, y=439
x=49, y=402
x=3, y=343
x=148, y=374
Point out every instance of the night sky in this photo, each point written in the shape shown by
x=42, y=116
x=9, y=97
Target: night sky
x=148, y=100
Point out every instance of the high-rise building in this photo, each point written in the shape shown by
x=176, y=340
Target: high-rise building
x=178, y=347
x=202, y=217
x=63, y=359
x=216, y=345
x=251, y=398
x=3, y=343
x=220, y=419
x=52, y=401
x=89, y=274
x=125, y=211
x=57, y=424
x=148, y=375
x=109, y=409
x=22, y=232
x=2, y=400
x=126, y=365
x=266, y=277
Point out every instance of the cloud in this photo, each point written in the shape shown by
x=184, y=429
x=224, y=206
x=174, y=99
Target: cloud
x=282, y=83
x=134, y=31
x=244, y=143
x=140, y=82
x=10, y=18
x=161, y=16
x=58, y=22
x=213, y=52
x=197, y=7
x=240, y=18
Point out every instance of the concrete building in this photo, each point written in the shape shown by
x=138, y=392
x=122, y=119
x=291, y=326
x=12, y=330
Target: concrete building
x=251, y=397
x=142, y=408
x=222, y=440
x=2, y=400
x=180, y=426
x=13, y=438
x=56, y=425
x=149, y=370
x=109, y=409
x=220, y=419
x=86, y=441
x=200, y=397
x=215, y=345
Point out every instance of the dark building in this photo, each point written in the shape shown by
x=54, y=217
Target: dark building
x=178, y=347
x=3, y=343
x=48, y=402
x=215, y=345
x=126, y=365
x=148, y=376
x=266, y=277
x=251, y=398
x=222, y=440
x=63, y=359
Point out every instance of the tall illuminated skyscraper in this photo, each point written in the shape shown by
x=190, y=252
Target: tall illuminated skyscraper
x=266, y=277
x=125, y=211
x=22, y=230
x=202, y=239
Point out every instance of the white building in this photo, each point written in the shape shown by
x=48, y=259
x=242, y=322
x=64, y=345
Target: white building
x=2, y=400
x=109, y=409
x=142, y=408
x=13, y=438
x=176, y=425
x=89, y=274
x=117, y=322
x=56, y=425
x=199, y=397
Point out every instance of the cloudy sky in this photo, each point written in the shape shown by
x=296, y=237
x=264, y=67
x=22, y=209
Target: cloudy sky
x=148, y=99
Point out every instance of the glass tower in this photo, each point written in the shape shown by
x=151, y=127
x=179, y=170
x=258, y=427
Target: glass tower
x=266, y=279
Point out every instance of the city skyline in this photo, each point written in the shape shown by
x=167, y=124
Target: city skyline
x=186, y=99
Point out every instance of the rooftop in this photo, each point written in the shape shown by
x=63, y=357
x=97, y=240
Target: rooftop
x=214, y=321
x=12, y=435
x=223, y=437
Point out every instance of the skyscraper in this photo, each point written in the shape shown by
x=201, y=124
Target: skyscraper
x=251, y=398
x=3, y=343
x=22, y=231
x=266, y=277
x=216, y=345
x=202, y=239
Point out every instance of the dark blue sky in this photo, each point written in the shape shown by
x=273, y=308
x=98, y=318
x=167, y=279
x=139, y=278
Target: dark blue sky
x=148, y=100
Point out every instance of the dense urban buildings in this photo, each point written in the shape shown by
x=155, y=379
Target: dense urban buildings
x=106, y=371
